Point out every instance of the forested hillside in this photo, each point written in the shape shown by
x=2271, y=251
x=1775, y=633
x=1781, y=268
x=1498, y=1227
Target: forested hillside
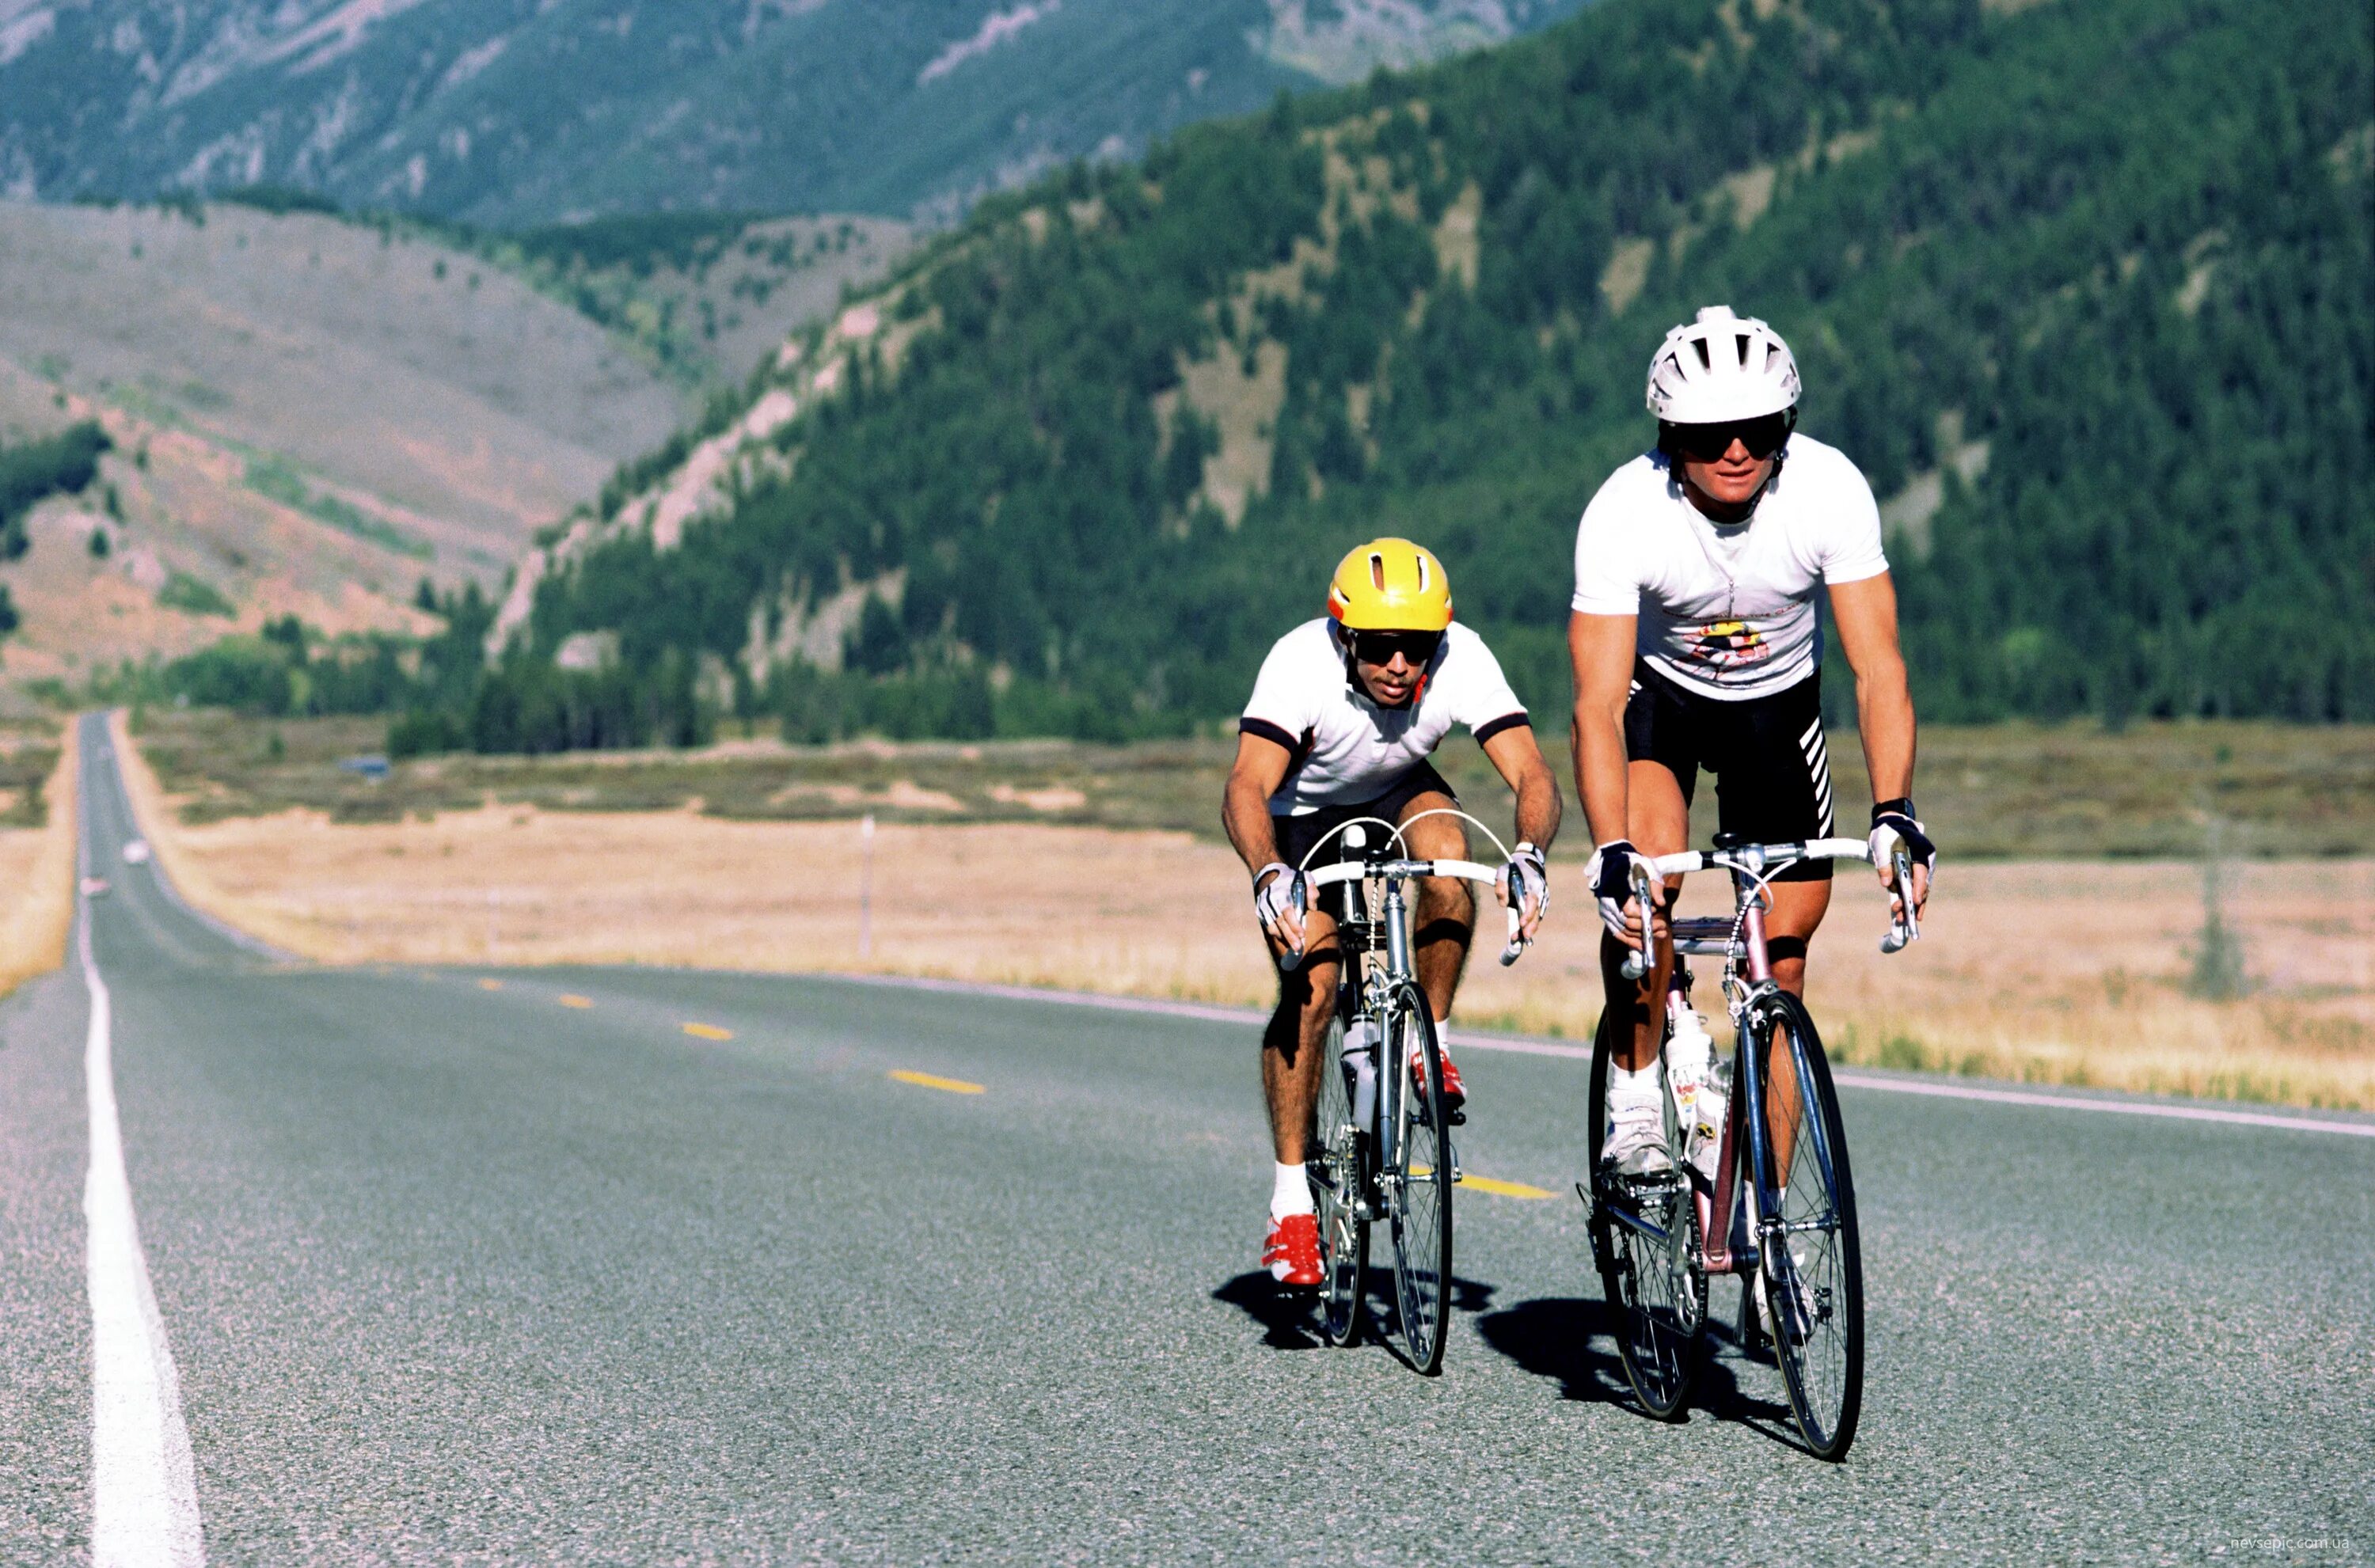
x=2085, y=289
x=523, y=112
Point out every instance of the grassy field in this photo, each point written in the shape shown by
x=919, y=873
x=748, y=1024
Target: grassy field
x=2014, y=791
x=37, y=849
x=1099, y=869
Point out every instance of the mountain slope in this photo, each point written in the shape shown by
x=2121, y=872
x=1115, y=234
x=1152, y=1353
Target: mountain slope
x=2084, y=288
x=511, y=112
x=308, y=417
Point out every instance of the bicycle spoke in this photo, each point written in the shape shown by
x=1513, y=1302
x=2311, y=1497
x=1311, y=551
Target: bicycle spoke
x=1645, y=1236
x=1418, y=1188
x=1337, y=1184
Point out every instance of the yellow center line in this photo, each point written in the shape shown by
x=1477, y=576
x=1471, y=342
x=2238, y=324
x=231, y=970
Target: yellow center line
x=708, y=1032
x=1507, y=1189
x=953, y=1085
x=574, y=1000
x=490, y=984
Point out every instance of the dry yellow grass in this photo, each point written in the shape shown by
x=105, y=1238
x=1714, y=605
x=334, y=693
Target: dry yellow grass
x=2060, y=972
x=40, y=863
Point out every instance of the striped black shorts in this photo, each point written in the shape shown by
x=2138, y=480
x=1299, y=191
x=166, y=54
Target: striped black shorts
x=1772, y=771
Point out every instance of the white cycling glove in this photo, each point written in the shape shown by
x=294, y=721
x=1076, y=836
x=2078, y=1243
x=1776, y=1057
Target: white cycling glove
x=1280, y=890
x=1610, y=872
x=1525, y=883
x=1895, y=827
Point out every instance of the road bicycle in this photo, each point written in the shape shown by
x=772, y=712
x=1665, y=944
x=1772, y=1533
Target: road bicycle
x=1382, y=1145
x=1771, y=1198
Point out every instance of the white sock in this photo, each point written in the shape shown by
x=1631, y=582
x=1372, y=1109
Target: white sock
x=1631, y=1088
x=1289, y=1193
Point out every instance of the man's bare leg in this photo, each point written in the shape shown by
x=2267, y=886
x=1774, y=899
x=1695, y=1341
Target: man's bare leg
x=1798, y=910
x=1657, y=820
x=1294, y=1041
x=1444, y=920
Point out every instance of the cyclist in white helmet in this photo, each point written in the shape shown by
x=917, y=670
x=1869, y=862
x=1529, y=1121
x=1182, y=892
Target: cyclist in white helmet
x=1697, y=642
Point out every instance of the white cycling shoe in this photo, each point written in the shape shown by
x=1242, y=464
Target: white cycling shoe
x=1637, y=1139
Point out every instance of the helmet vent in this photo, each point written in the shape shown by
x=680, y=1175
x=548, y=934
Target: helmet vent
x=1706, y=361
x=1377, y=572
x=1742, y=341
x=1422, y=575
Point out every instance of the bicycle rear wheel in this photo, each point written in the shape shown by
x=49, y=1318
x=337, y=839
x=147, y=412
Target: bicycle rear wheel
x=1417, y=1186
x=1339, y=1189
x=1812, y=1285
x=1645, y=1239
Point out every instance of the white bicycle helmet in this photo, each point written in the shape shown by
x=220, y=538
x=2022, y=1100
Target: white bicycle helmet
x=1721, y=368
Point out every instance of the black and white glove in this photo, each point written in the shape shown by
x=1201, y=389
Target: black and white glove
x=1280, y=891
x=1525, y=881
x=1893, y=827
x=1610, y=871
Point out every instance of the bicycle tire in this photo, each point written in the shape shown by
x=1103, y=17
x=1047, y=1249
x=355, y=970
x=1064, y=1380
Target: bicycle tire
x=1820, y=1343
x=1417, y=1190
x=1657, y=1288
x=1338, y=1169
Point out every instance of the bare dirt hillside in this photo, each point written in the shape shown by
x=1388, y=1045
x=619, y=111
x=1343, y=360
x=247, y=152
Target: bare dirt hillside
x=308, y=417
x=382, y=361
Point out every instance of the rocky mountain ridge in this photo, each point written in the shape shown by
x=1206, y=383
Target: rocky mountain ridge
x=509, y=111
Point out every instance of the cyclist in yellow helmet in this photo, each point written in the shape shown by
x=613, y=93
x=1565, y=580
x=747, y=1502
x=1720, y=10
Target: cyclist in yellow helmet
x=1344, y=715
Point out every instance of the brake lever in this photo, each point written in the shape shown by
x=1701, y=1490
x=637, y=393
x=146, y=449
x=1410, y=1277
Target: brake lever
x=1517, y=943
x=1636, y=962
x=1906, y=929
x=1292, y=957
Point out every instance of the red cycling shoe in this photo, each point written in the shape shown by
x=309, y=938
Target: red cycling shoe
x=1455, y=1093
x=1292, y=1254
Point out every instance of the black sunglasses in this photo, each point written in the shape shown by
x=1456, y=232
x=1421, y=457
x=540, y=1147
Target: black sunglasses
x=1705, y=443
x=1379, y=647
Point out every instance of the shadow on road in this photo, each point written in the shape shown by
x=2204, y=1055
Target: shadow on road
x=1291, y=1322
x=1554, y=1338
x=1573, y=1341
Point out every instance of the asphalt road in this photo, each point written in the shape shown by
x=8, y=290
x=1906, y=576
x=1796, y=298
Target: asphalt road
x=465, y=1266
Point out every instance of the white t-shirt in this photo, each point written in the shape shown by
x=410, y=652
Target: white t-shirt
x=1727, y=610
x=1348, y=749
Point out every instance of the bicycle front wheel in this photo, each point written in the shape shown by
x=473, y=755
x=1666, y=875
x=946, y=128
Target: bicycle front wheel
x=1337, y=1167
x=1810, y=1260
x=1645, y=1240
x=1417, y=1184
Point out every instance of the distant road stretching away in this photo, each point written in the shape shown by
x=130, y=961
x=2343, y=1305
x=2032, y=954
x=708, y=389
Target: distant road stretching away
x=628, y=1264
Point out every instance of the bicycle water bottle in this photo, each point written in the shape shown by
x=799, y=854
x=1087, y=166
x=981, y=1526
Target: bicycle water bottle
x=1689, y=1055
x=1360, y=1070
x=1715, y=1099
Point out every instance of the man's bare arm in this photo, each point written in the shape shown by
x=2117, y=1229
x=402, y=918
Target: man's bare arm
x=1519, y=757
x=1866, y=615
x=1259, y=768
x=1601, y=648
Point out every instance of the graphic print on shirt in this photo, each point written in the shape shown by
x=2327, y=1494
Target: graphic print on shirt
x=1730, y=644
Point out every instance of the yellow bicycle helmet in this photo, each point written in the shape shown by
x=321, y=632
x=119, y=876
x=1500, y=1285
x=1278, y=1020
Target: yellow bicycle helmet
x=1390, y=586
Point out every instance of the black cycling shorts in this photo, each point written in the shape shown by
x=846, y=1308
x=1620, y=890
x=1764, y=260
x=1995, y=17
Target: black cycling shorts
x=1297, y=835
x=1772, y=771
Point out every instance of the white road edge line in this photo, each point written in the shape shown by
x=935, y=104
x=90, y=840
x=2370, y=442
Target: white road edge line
x=144, y=1485
x=1847, y=1077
